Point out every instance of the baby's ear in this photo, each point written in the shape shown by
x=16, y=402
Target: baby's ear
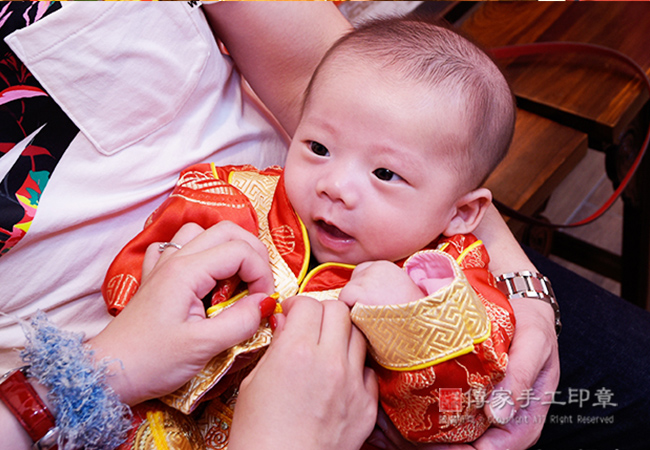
x=470, y=209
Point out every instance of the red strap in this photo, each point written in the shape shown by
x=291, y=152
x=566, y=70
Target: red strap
x=25, y=404
x=567, y=47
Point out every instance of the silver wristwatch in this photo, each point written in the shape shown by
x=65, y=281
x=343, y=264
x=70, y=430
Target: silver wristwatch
x=530, y=285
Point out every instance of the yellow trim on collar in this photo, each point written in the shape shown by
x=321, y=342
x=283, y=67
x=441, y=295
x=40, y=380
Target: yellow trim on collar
x=467, y=250
x=320, y=268
x=487, y=334
x=305, y=261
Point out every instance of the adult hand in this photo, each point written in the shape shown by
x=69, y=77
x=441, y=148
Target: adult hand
x=163, y=338
x=533, y=374
x=311, y=389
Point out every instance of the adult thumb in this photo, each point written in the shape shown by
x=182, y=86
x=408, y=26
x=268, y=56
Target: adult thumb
x=236, y=323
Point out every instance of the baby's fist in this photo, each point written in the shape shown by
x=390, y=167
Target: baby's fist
x=379, y=283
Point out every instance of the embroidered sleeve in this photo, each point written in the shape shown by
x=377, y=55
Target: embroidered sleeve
x=444, y=324
x=198, y=197
x=202, y=195
x=438, y=359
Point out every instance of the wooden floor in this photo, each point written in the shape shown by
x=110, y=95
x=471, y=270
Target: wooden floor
x=582, y=193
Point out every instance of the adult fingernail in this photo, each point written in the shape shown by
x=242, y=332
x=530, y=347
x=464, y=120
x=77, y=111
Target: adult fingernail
x=273, y=323
x=267, y=306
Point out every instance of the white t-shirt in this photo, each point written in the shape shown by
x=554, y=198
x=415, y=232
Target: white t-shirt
x=151, y=95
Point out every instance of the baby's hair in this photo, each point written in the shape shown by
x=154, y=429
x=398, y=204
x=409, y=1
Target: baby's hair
x=433, y=54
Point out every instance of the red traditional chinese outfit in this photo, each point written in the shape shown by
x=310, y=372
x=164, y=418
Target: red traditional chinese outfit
x=436, y=358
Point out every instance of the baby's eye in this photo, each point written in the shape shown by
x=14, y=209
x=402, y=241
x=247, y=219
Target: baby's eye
x=319, y=149
x=386, y=175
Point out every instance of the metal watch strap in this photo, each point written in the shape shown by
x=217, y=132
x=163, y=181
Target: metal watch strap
x=24, y=403
x=528, y=284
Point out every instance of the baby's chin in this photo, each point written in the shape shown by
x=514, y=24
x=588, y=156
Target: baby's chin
x=351, y=258
x=354, y=255
x=325, y=256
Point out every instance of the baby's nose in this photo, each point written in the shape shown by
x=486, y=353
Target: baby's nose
x=338, y=186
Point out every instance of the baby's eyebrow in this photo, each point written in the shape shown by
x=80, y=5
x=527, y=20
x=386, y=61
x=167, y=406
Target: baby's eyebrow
x=404, y=158
x=323, y=124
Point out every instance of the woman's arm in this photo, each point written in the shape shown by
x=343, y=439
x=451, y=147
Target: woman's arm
x=505, y=252
x=277, y=46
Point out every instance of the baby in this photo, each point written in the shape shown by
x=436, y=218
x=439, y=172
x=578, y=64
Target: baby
x=402, y=122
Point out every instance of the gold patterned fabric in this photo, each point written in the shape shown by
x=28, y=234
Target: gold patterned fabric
x=434, y=329
x=153, y=422
x=187, y=397
x=455, y=338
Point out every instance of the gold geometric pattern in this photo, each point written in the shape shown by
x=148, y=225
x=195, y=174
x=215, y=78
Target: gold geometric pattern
x=260, y=190
x=330, y=294
x=441, y=326
x=186, y=398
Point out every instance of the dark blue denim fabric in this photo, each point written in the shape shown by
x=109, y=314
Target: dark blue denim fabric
x=604, y=349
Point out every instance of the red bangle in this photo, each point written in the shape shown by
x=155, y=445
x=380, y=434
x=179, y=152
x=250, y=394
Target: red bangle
x=24, y=403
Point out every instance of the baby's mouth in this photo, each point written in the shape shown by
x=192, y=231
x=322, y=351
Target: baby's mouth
x=332, y=231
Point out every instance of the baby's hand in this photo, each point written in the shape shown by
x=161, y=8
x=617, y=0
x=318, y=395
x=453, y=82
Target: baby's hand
x=380, y=283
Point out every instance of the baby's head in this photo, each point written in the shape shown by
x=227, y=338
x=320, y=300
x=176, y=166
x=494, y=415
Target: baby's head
x=402, y=122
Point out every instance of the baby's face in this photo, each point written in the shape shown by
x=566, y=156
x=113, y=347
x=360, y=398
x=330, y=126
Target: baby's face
x=366, y=170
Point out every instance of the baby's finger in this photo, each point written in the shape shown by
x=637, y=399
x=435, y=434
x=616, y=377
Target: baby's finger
x=351, y=294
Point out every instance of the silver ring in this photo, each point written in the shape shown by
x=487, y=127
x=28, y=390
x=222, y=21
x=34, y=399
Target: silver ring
x=163, y=245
